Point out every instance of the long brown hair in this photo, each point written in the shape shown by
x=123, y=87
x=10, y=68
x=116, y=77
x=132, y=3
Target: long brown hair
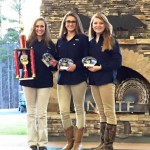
x=107, y=34
x=33, y=36
x=79, y=27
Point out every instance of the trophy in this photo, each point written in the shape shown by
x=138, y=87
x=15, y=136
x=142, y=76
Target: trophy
x=46, y=59
x=24, y=57
x=89, y=61
x=64, y=63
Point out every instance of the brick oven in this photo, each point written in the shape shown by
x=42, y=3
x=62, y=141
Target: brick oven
x=131, y=22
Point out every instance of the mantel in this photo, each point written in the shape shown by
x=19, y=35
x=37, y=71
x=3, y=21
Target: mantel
x=133, y=41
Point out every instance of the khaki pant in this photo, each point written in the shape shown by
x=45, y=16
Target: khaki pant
x=104, y=97
x=37, y=101
x=77, y=92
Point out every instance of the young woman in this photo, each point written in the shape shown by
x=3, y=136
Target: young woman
x=37, y=91
x=72, y=44
x=102, y=76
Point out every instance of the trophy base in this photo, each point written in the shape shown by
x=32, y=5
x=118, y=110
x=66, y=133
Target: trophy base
x=30, y=78
x=88, y=65
x=63, y=68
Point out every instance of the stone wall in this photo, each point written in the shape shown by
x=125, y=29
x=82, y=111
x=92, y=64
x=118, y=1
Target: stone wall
x=128, y=125
x=54, y=10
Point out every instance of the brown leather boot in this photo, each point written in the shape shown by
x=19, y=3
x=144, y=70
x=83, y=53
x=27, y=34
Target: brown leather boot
x=109, y=137
x=69, y=132
x=78, y=138
x=102, y=131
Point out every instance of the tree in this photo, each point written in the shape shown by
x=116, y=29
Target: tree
x=9, y=87
x=11, y=36
x=17, y=5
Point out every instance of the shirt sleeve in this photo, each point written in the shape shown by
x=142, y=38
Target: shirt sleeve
x=55, y=55
x=84, y=49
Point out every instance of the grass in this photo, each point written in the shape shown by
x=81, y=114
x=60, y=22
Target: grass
x=13, y=124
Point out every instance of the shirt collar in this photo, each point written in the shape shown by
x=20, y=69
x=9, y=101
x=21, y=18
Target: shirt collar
x=74, y=38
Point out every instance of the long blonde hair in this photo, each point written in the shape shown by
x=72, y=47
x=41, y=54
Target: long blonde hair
x=33, y=36
x=79, y=27
x=107, y=34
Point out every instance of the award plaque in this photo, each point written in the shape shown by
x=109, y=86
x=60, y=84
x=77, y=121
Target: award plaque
x=64, y=63
x=46, y=59
x=24, y=57
x=89, y=61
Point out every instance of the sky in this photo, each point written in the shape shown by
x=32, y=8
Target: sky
x=30, y=11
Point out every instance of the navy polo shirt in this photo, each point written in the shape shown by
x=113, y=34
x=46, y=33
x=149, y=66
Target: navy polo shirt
x=75, y=49
x=44, y=74
x=110, y=60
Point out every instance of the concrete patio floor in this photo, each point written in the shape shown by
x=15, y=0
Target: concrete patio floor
x=19, y=142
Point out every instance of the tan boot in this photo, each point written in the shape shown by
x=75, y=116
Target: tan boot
x=69, y=132
x=102, y=131
x=78, y=134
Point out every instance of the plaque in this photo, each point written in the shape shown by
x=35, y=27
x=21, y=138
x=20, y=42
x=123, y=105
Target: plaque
x=46, y=59
x=64, y=63
x=89, y=61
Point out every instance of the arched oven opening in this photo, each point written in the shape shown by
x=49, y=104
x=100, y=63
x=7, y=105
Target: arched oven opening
x=132, y=92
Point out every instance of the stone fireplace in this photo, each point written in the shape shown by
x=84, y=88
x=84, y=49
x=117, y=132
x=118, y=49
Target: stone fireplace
x=133, y=87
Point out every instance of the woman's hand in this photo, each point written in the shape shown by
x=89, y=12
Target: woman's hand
x=53, y=62
x=95, y=68
x=71, y=68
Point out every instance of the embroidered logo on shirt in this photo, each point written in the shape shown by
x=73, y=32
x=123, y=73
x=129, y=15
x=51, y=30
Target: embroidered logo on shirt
x=76, y=39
